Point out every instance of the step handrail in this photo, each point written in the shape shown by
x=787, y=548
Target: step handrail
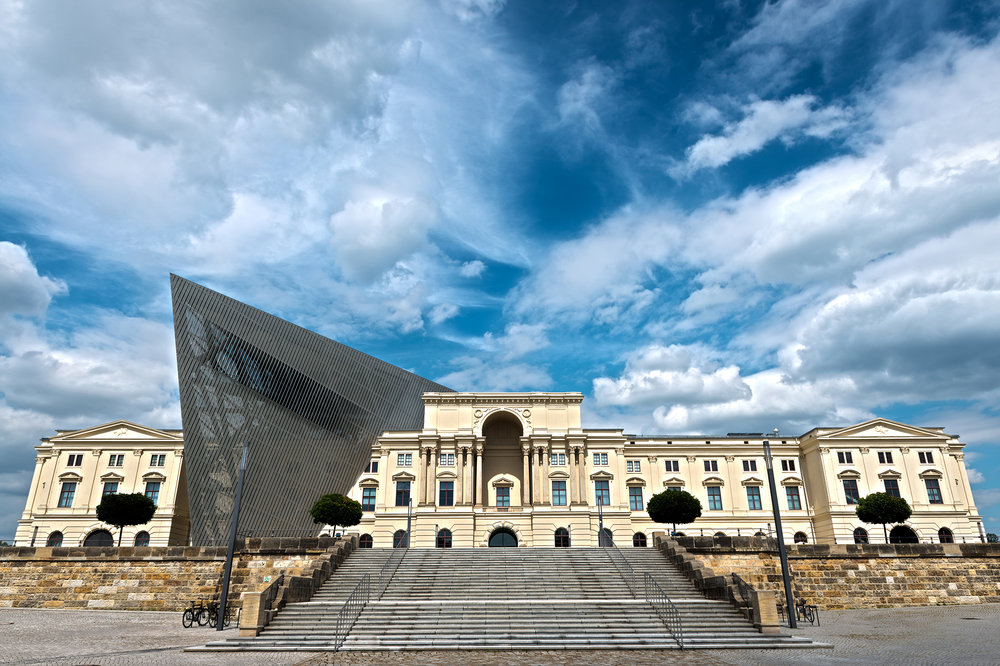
x=624, y=567
x=665, y=608
x=351, y=609
x=388, y=569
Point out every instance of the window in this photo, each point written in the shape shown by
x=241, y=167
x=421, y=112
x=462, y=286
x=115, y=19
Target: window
x=503, y=496
x=372, y=467
x=885, y=457
x=926, y=457
x=753, y=498
x=558, y=493
x=892, y=487
x=562, y=538
x=446, y=459
x=635, y=498
x=557, y=459
x=638, y=540
x=860, y=535
x=673, y=465
x=74, y=460
x=945, y=535
x=605, y=538
x=141, y=539
x=153, y=491
x=116, y=460
x=800, y=537
x=158, y=460
x=399, y=539
x=792, y=495
x=66, y=494
x=367, y=499
x=633, y=466
x=674, y=488
x=714, y=498
x=366, y=541
x=749, y=465
x=402, y=493
x=443, y=539
x=600, y=458
x=404, y=459
x=851, y=491
x=845, y=457
x=54, y=540
x=711, y=465
x=602, y=490
x=446, y=494
x=788, y=465
x=933, y=491
x=110, y=488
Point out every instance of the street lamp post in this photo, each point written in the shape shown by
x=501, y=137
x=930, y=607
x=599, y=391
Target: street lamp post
x=789, y=600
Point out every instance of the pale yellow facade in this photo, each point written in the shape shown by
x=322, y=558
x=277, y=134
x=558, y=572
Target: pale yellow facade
x=75, y=468
x=522, y=463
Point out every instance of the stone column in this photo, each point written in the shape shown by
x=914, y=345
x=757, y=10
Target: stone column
x=546, y=484
x=478, y=500
x=525, y=478
x=432, y=491
x=536, y=495
x=574, y=464
x=420, y=492
x=460, y=475
x=582, y=483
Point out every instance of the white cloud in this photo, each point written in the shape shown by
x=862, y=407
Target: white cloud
x=472, y=269
x=975, y=476
x=475, y=374
x=470, y=11
x=442, y=312
x=23, y=292
x=583, y=100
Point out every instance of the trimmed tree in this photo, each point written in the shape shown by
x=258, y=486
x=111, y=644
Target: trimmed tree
x=335, y=509
x=992, y=538
x=676, y=507
x=883, y=508
x=127, y=509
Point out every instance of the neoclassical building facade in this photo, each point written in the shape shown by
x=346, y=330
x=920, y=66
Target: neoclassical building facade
x=519, y=469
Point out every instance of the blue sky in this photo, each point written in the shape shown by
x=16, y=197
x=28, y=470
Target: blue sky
x=707, y=217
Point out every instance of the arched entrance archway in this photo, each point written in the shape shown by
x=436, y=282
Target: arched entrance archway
x=903, y=534
x=503, y=538
x=605, y=538
x=503, y=464
x=99, y=538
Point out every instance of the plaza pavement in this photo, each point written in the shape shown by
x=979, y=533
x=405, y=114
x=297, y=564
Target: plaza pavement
x=967, y=634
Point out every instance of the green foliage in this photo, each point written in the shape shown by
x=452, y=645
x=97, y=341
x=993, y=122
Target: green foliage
x=673, y=506
x=128, y=509
x=992, y=538
x=883, y=508
x=335, y=509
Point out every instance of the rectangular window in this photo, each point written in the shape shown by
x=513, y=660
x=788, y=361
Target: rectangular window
x=158, y=460
x=635, y=498
x=600, y=458
x=557, y=459
x=673, y=465
x=633, y=466
x=845, y=457
x=753, y=498
x=372, y=467
x=446, y=460
x=110, y=488
x=66, y=494
x=714, y=498
x=404, y=459
x=402, y=493
x=711, y=465
x=558, y=493
x=885, y=457
x=503, y=496
x=74, y=460
x=792, y=495
x=933, y=491
x=892, y=487
x=926, y=457
x=446, y=494
x=367, y=499
x=788, y=465
x=116, y=460
x=674, y=488
x=602, y=490
x=749, y=465
x=851, y=491
x=153, y=491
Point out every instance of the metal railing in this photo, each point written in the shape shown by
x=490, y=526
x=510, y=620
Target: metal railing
x=351, y=609
x=388, y=569
x=744, y=588
x=665, y=608
x=625, y=569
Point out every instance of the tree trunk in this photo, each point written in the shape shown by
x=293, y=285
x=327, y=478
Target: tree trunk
x=885, y=531
x=120, y=530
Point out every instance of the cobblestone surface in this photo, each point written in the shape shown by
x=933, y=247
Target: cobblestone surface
x=911, y=636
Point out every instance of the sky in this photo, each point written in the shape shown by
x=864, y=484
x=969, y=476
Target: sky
x=706, y=217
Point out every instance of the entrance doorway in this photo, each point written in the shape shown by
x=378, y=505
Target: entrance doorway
x=903, y=534
x=503, y=538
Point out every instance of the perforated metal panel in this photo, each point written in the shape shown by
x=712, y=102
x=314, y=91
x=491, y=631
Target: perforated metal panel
x=310, y=407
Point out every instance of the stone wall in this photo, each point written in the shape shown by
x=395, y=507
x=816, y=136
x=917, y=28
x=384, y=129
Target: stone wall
x=855, y=576
x=166, y=578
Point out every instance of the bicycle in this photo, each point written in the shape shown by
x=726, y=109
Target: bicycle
x=805, y=611
x=231, y=614
x=196, y=612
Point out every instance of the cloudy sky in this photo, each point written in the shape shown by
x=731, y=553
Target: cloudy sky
x=707, y=217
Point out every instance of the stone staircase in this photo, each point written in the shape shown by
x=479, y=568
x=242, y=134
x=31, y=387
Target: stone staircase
x=508, y=598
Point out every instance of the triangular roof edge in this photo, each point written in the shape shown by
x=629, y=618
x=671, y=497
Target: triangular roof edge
x=880, y=421
x=86, y=433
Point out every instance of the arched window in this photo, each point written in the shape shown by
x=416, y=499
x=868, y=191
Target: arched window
x=54, y=540
x=945, y=535
x=562, y=538
x=366, y=541
x=860, y=535
x=399, y=539
x=720, y=534
x=443, y=539
x=605, y=538
x=759, y=534
x=99, y=538
x=141, y=539
x=679, y=534
x=800, y=537
x=638, y=540
x=502, y=538
x=903, y=534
